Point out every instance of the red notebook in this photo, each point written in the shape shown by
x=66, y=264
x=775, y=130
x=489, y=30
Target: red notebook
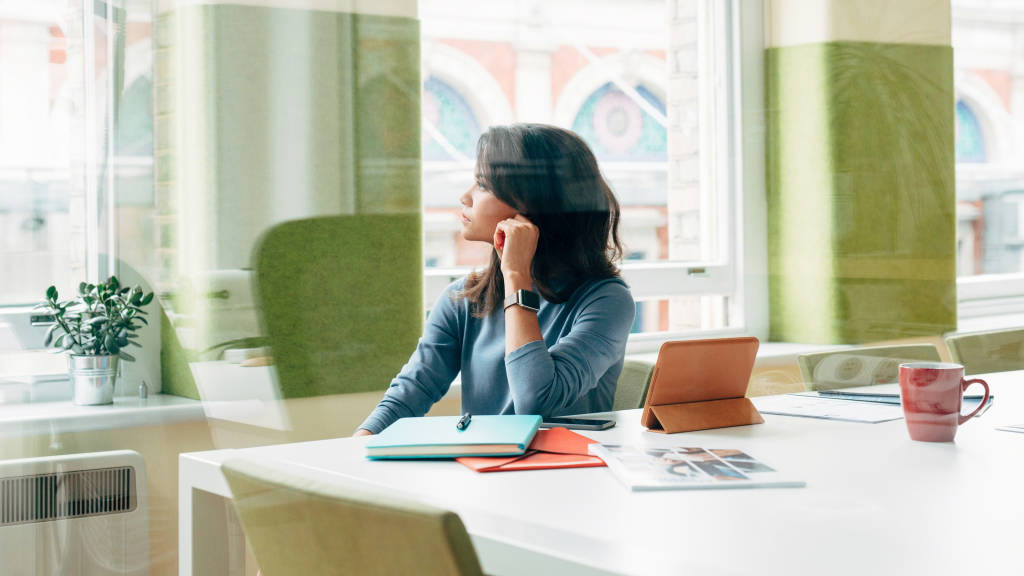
x=552, y=448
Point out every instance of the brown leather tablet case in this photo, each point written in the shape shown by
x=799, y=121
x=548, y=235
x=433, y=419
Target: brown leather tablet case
x=701, y=384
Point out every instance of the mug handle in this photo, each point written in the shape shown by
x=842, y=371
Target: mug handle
x=964, y=384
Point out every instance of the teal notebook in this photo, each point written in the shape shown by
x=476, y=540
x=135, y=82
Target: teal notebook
x=438, y=437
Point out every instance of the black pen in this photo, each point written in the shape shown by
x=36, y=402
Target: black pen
x=463, y=422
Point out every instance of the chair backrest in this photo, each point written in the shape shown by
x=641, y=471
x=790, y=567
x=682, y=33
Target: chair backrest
x=301, y=525
x=631, y=389
x=993, y=351
x=866, y=366
x=341, y=300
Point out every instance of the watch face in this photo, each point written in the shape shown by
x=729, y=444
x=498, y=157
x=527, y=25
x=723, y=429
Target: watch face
x=524, y=298
x=529, y=299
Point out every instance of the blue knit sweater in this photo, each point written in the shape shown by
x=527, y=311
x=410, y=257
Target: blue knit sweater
x=572, y=371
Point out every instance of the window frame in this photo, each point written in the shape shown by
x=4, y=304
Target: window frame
x=725, y=229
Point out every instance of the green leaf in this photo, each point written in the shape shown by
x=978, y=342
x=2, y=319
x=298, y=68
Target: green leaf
x=98, y=321
x=83, y=288
x=49, y=334
x=136, y=298
x=134, y=343
x=51, y=293
x=146, y=299
x=113, y=282
x=126, y=356
x=59, y=342
x=144, y=321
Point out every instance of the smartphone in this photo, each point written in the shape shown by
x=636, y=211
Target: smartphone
x=577, y=423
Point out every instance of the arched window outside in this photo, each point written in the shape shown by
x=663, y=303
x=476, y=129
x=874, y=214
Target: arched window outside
x=618, y=129
x=970, y=142
x=448, y=111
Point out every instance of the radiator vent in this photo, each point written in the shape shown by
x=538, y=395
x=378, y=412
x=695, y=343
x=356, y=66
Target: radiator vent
x=66, y=495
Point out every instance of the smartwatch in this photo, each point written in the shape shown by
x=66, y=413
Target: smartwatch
x=526, y=298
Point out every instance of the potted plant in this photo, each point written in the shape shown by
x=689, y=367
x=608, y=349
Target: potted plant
x=95, y=327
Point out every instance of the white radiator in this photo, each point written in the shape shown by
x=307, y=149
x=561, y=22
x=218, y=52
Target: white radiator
x=80, y=514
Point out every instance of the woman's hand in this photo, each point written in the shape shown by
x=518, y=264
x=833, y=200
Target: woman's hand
x=362, y=432
x=515, y=239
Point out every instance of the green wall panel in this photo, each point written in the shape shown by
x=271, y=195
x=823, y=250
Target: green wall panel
x=861, y=193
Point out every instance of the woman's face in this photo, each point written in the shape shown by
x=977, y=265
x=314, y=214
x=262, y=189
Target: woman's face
x=481, y=212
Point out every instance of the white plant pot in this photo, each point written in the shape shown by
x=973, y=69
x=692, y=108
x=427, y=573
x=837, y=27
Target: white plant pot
x=93, y=378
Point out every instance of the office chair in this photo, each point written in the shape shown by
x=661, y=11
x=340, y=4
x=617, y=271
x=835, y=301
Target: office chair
x=861, y=366
x=631, y=388
x=341, y=300
x=299, y=525
x=991, y=351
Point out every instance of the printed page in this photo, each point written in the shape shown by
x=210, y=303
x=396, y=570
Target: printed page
x=687, y=467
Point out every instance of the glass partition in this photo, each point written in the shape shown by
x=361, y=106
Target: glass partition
x=284, y=177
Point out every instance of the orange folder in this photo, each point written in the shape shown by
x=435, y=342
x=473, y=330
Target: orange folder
x=552, y=448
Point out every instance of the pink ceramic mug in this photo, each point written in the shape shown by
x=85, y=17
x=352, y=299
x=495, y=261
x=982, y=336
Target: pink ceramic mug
x=931, y=394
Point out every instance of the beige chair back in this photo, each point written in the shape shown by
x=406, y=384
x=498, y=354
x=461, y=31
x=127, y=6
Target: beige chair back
x=631, y=389
x=992, y=351
x=299, y=525
x=866, y=366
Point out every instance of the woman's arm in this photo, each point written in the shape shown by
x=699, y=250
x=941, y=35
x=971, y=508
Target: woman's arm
x=521, y=325
x=546, y=381
x=515, y=240
x=427, y=375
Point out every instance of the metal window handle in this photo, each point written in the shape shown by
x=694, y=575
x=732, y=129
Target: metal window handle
x=698, y=272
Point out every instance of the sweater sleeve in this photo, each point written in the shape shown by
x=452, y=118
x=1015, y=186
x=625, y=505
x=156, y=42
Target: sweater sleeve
x=545, y=381
x=428, y=374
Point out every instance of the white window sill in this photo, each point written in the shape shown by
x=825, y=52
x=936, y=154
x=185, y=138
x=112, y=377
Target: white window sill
x=767, y=353
x=993, y=322
x=64, y=417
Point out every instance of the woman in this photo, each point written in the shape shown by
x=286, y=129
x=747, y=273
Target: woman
x=539, y=198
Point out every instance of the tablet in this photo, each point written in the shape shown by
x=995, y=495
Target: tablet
x=699, y=370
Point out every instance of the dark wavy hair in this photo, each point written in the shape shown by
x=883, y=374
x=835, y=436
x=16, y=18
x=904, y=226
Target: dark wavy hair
x=550, y=176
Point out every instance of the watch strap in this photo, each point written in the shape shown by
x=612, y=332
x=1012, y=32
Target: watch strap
x=526, y=298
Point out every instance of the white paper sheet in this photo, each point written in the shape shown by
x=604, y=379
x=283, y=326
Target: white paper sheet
x=827, y=408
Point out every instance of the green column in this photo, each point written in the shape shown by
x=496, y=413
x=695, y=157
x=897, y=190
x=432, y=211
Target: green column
x=861, y=190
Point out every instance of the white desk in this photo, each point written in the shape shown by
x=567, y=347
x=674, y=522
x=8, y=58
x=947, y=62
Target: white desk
x=875, y=502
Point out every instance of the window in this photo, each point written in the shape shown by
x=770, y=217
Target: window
x=989, y=175
x=649, y=88
x=36, y=211
x=76, y=152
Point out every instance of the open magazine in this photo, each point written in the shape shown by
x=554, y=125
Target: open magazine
x=688, y=468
